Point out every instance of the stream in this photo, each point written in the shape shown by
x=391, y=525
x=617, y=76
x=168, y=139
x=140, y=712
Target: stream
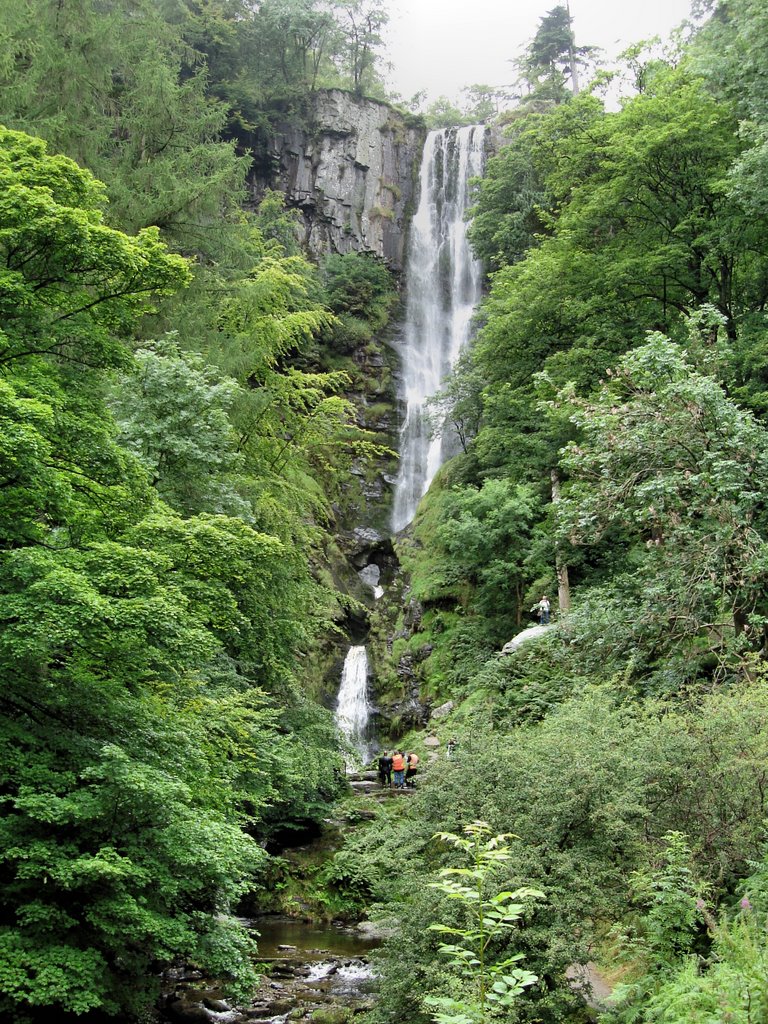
x=311, y=970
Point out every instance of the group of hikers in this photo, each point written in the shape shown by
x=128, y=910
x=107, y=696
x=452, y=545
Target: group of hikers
x=397, y=769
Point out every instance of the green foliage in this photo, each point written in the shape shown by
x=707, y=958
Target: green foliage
x=731, y=987
x=140, y=752
x=552, y=58
x=658, y=232
x=622, y=339
x=666, y=456
x=485, y=533
x=70, y=284
x=363, y=22
x=722, y=980
x=730, y=54
x=173, y=414
x=266, y=58
x=492, y=986
x=359, y=286
x=666, y=931
x=506, y=219
x=459, y=400
x=479, y=104
x=469, y=565
x=442, y=113
x=122, y=93
x=277, y=224
x=163, y=504
x=592, y=792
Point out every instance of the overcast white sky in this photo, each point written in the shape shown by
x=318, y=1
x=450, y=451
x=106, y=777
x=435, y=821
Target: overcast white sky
x=443, y=45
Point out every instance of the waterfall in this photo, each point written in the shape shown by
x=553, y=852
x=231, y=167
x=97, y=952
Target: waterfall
x=443, y=284
x=352, y=707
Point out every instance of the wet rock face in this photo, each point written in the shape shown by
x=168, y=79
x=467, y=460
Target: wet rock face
x=351, y=174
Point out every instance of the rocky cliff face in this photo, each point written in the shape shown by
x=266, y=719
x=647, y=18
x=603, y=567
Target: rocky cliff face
x=352, y=174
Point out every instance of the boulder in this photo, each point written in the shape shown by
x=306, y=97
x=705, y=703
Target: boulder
x=443, y=710
x=183, y=1011
x=531, y=633
x=375, y=930
x=217, y=1005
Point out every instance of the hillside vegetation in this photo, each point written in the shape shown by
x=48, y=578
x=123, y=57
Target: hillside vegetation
x=613, y=413
x=176, y=440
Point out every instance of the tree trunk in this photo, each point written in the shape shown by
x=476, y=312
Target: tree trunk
x=563, y=583
x=574, y=69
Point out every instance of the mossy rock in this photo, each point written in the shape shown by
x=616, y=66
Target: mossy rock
x=332, y=1015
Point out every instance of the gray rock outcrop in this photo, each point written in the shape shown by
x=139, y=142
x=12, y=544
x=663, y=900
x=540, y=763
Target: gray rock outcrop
x=352, y=174
x=531, y=633
x=443, y=710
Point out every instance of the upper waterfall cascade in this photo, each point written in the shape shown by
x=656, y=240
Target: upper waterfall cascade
x=352, y=707
x=443, y=286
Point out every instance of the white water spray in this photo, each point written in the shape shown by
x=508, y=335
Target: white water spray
x=352, y=708
x=443, y=286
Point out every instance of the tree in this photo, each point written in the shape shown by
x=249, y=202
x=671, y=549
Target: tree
x=730, y=54
x=443, y=113
x=485, y=533
x=483, y=102
x=459, y=400
x=137, y=647
x=633, y=200
x=552, y=57
x=93, y=629
x=514, y=206
x=70, y=290
x=299, y=40
x=363, y=21
x=663, y=454
x=120, y=91
x=173, y=414
x=360, y=290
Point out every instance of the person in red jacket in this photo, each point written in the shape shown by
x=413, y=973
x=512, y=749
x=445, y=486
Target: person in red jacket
x=398, y=769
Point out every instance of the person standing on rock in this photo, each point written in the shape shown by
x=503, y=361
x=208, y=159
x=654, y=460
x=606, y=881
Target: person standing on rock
x=411, y=761
x=398, y=769
x=385, y=769
x=543, y=609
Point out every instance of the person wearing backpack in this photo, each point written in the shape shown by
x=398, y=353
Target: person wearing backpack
x=411, y=761
x=543, y=609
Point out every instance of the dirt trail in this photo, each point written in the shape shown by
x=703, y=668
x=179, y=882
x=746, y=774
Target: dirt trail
x=582, y=975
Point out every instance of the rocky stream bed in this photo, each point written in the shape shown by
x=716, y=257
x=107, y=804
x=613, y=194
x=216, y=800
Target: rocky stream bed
x=312, y=972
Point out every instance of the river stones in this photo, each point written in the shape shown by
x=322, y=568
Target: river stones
x=217, y=1005
x=302, y=980
x=183, y=1011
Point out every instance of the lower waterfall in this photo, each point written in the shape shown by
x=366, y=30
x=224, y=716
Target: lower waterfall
x=352, y=708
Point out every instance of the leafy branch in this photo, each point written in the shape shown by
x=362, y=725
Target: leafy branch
x=493, y=985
